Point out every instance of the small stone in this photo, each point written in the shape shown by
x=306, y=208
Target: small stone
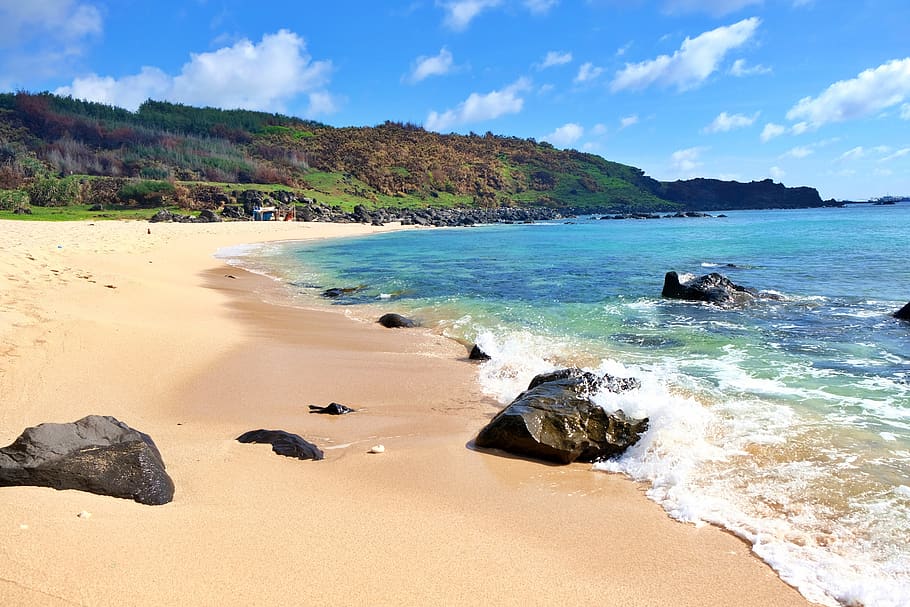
x=23, y=526
x=84, y=514
x=377, y=449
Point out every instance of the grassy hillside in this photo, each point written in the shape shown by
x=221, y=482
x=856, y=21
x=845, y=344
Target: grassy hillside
x=44, y=137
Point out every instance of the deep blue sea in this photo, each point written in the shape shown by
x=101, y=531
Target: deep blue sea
x=786, y=422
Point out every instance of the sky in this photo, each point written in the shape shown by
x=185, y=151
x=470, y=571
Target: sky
x=805, y=92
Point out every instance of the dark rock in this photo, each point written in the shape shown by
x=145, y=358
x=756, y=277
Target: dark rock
x=712, y=288
x=396, y=321
x=339, y=291
x=478, y=354
x=161, y=216
x=98, y=454
x=903, y=313
x=283, y=443
x=209, y=216
x=555, y=420
x=22, y=211
x=96, y=207
x=331, y=409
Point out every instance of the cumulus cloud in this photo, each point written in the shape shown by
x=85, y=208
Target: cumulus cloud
x=263, y=76
x=587, y=72
x=40, y=38
x=555, y=58
x=437, y=65
x=565, y=135
x=872, y=91
x=771, y=131
x=741, y=69
x=460, y=13
x=477, y=107
x=696, y=59
x=628, y=121
x=713, y=7
x=686, y=162
x=727, y=122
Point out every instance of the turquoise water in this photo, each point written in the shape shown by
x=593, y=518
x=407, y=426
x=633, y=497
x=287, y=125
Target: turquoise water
x=786, y=422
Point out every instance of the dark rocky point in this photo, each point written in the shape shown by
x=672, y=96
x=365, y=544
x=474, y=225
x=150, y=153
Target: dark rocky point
x=283, y=443
x=712, y=288
x=478, y=354
x=331, y=409
x=341, y=291
x=98, y=454
x=396, y=321
x=903, y=313
x=556, y=420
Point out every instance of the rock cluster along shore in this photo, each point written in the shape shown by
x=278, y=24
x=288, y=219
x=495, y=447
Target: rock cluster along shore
x=308, y=209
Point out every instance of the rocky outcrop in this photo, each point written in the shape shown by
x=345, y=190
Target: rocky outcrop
x=98, y=454
x=903, y=313
x=341, y=291
x=283, y=443
x=555, y=420
x=478, y=354
x=712, y=288
x=396, y=321
x=715, y=195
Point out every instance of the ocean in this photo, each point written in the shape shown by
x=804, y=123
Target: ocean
x=786, y=422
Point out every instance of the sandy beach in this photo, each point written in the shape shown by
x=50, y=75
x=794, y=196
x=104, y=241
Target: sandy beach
x=142, y=322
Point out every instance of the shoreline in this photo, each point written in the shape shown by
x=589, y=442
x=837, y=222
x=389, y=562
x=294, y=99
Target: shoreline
x=179, y=351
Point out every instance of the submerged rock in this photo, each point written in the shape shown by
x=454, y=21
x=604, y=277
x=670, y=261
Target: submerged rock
x=712, y=288
x=903, y=313
x=340, y=291
x=556, y=420
x=98, y=454
x=396, y=321
x=283, y=443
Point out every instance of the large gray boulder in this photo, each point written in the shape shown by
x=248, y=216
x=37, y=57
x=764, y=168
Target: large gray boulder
x=98, y=454
x=712, y=288
x=556, y=420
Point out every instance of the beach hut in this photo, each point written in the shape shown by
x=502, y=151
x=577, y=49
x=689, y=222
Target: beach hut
x=263, y=213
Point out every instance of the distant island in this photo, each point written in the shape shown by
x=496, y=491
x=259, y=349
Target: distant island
x=59, y=151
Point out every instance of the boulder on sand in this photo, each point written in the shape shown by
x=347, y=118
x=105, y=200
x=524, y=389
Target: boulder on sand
x=556, y=420
x=98, y=454
x=283, y=443
x=396, y=321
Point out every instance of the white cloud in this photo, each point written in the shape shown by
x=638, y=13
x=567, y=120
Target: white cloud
x=727, y=122
x=628, y=121
x=460, y=13
x=800, y=127
x=555, y=58
x=771, y=131
x=873, y=90
x=898, y=154
x=740, y=69
x=437, y=65
x=477, y=107
x=685, y=162
x=800, y=151
x=540, y=7
x=565, y=135
x=588, y=72
x=905, y=111
x=713, y=7
x=696, y=59
x=39, y=39
x=777, y=173
x=599, y=129
x=857, y=152
x=263, y=76
x=623, y=49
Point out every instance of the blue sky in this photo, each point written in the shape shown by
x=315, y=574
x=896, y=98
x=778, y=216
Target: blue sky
x=806, y=92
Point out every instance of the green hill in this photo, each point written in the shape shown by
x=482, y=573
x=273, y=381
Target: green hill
x=45, y=136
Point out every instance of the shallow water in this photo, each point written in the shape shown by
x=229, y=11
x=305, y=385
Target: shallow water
x=786, y=422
